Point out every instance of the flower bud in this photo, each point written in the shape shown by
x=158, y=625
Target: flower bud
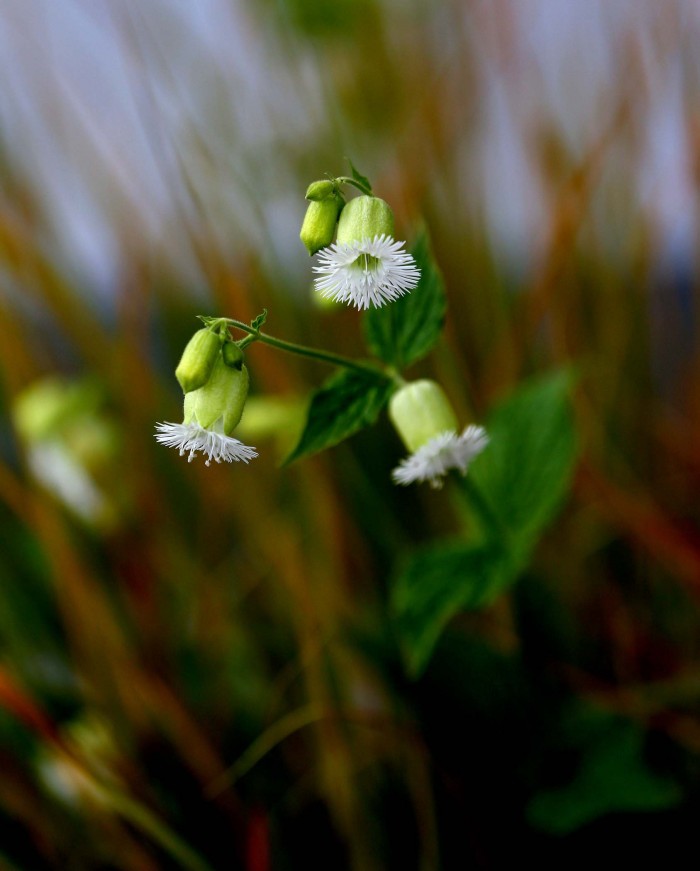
x=220, y=400
x=232, y=355
x=420, y=411
x=51, y=406
x=321, y=190
x=364, y=218
x=318, y=228
x=197, y=361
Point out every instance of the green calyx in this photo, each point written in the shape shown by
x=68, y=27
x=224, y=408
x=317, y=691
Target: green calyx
x=322, y=190
x=318, y=228
x=364, y=218
x=198, y=359
x=232, y=355
x=420, y=411
x=221, y=400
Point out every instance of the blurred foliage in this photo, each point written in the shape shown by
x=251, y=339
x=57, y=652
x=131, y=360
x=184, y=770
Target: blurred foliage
x=207, y=667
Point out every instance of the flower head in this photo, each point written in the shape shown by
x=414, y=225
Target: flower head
x=211, y=414
x=191, y=437
x=372, y=271
x=427, y=424
x=365, y=266
x=446, y=451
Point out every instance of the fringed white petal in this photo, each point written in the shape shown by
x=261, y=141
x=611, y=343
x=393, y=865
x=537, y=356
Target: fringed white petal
x=371, y=272
x=433, y=460
x=189, y=438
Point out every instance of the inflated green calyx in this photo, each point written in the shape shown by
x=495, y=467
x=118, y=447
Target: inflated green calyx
x=197, y=361
x=221, y=400
x=318, y=228
x=364, y=218
x=420, y=411
x=232, y=355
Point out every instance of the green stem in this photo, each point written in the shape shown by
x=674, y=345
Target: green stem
x=264, y=743
x=345, y=179
x=304, y=350
x=483, y=509
x=147, y=822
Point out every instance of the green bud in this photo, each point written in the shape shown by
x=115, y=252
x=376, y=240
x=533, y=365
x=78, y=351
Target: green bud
x=420, y=411
x=278, y=417
x=221, y=399
x=232, y=354
x=197, y=361
x=321, y=190
x=364, y=218
x=318, y=228
x=51, y=406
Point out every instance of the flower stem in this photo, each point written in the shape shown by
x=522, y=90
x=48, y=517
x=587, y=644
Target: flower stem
x=345, y=179
x=303, y=350
x=485, y=513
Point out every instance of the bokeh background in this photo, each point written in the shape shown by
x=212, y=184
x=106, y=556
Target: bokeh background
x=198, y=666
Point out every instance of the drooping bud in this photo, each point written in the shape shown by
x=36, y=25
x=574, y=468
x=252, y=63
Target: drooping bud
x=318, y=228
x=197, y=361
x=321, y=190
x=420, y=411
x=364, y=218
x=232, y=355
x=221, y=400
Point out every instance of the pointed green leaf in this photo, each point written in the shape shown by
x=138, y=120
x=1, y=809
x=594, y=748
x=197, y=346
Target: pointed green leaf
x=258, y=321
x=525, y=472
x=436, y=583
x=347, y=402
x=357, y=175
x=612, y=777
x=406, y=330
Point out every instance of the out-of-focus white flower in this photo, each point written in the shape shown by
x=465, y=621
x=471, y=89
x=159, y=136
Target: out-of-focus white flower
x=427, y=424
x=446, y=451
x=373, y=271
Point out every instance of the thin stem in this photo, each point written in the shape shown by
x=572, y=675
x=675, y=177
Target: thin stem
x=147, y=822
x=484, y=511
x=345, y=179
x=243, y=344
x=304, y=350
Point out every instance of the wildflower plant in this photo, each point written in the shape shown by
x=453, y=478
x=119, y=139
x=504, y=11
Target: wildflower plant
x=511, y=474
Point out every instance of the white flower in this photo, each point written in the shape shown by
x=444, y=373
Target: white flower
x=373, y=271
x=435, y=458
x=213, y=442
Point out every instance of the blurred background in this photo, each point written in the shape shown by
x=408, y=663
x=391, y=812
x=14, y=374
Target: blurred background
x=198, y=667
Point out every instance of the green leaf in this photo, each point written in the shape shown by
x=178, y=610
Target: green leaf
x=525, y=472
x=612, y=777
x=435, y=584
x=258, y=321
x=347, y=402
x=362, y=179
x=406, y=330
